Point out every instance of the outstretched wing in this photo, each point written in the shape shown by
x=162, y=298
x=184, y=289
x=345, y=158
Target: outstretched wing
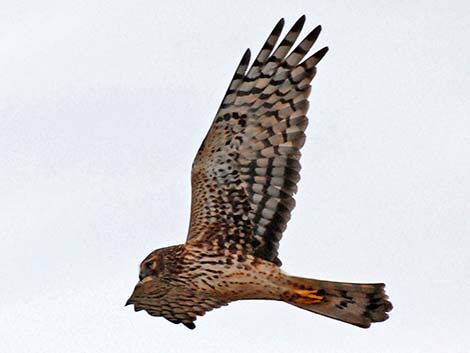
x=247, y=168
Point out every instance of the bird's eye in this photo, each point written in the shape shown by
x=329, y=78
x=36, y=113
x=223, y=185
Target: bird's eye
x=148, y=265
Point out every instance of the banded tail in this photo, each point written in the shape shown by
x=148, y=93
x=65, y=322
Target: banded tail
x=358, y=304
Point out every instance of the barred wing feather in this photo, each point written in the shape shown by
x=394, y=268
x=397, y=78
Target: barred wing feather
x=246, y=171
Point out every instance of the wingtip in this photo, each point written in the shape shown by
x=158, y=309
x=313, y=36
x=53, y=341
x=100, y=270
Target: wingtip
x=189, y=325
x=297, y=27
x=321, y=53
x=313, y=35
x=246, y=56
x=279, y=26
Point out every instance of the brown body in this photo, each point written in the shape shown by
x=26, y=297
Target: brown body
x=208, y=279
x=244, y=177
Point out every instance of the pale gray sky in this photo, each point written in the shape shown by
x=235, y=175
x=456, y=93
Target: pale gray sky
x=103, y=105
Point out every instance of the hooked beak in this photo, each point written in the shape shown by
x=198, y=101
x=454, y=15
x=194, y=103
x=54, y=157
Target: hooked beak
x=135, y=302
x=139, y=290
x=129, y=302
x=132, y=298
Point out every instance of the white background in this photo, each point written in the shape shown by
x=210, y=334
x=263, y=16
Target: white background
x=103, y=105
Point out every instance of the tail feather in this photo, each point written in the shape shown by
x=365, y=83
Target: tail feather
x=354, y=303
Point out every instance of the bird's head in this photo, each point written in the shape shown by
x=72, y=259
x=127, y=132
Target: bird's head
x=153, y=275
x=153, y=265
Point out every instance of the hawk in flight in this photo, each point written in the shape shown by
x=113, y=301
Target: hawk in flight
x=243, y=180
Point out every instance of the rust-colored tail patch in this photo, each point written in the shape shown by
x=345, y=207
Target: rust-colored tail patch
x=306, y=296
x=358, y=304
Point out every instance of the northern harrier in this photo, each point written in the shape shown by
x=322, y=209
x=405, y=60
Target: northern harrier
x=244, y=177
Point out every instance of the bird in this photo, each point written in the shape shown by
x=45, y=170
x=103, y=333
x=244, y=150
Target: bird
x=243, y=180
